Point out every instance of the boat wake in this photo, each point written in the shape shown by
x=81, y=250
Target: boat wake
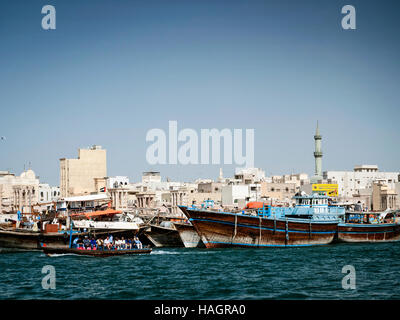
x=55, y=255
x=180, y=252
x=164, y=252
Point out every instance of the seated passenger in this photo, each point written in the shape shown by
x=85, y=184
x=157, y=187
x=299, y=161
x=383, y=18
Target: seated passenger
x=116, y=243
x=86, y=242
x=99, y=243
x=138, y=243
x=80, y=243
x=75, y=242
x=122, y=243
x=93, y=243
x=107, y=243
x=128, y=243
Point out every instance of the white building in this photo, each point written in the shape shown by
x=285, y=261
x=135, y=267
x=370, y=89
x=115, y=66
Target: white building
x=235, y=195
x=19, y=192
x=362, y=177
x=116, y=182
x=151, y=176
x=48, y=193
x=249, y=175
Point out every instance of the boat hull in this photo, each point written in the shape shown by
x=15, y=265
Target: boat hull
x=164, y=237
x=385, y=232
x=94, y=253
x=189, y=236
x=218, y=229
x=30, y=240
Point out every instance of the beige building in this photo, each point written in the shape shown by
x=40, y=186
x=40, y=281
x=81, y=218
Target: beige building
x=85, y=174
x=383, y=197
x=397, y=188
x=197, y=198
x=209, y=187
x=18, y=192
x=278, y=191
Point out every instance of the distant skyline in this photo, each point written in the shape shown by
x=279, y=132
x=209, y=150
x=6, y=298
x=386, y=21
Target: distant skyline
x=113, y=70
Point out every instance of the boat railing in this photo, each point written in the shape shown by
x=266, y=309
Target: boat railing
x=104, y=248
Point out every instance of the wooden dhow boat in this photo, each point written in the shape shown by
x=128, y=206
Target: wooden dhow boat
x=164, y=235
x=311, y=222
x=369, y=227
x=189, y=235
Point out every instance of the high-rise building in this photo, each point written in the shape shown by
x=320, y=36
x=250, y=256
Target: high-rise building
x=78, y=176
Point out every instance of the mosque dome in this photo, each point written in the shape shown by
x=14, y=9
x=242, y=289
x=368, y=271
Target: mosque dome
x=28, y=174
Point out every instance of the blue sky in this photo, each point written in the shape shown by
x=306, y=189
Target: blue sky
x=112, y=70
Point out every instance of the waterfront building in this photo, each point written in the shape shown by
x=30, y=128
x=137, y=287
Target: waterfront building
x=197, y=198
x=278, y=191
x=397, y=189
x=249, y=175
x=209, y=187
x=151, y=177
x=48, y=193
x=383, y=197
x=117, y=181
x=77, y=176
x=362, y=177
x=298, y=179
x=19, y=192
x=235, y=195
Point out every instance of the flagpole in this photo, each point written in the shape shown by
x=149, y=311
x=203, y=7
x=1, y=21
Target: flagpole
x=70, y=232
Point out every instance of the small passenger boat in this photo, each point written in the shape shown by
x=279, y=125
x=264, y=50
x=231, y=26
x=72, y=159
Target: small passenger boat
x=94, y=253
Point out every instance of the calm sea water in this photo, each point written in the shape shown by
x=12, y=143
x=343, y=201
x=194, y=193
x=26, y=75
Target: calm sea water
x=272, y=273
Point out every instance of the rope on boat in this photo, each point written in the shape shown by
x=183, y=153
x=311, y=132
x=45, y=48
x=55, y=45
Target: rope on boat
x=310, y=230
x=234, y=234
x=259, y=225
x=286, y=231
x=274, y=223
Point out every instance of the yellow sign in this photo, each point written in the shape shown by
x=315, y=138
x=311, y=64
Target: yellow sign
x=330, y=190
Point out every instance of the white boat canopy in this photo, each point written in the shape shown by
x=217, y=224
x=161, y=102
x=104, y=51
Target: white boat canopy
x=89, y=197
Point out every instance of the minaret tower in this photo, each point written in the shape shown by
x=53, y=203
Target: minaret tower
x=317, y=156
x=221, y=175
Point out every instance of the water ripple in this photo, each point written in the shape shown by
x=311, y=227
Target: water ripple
x=274, y=273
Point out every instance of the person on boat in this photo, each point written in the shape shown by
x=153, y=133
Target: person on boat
x=123, y=243
x=93, y=243
x=111, y=239
x=128, y=244
x=100, y=243
x=116, y=243
x=75, y=242
x=138, y=243
x=119, y=244
x=108, y=243
x=86, y=242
